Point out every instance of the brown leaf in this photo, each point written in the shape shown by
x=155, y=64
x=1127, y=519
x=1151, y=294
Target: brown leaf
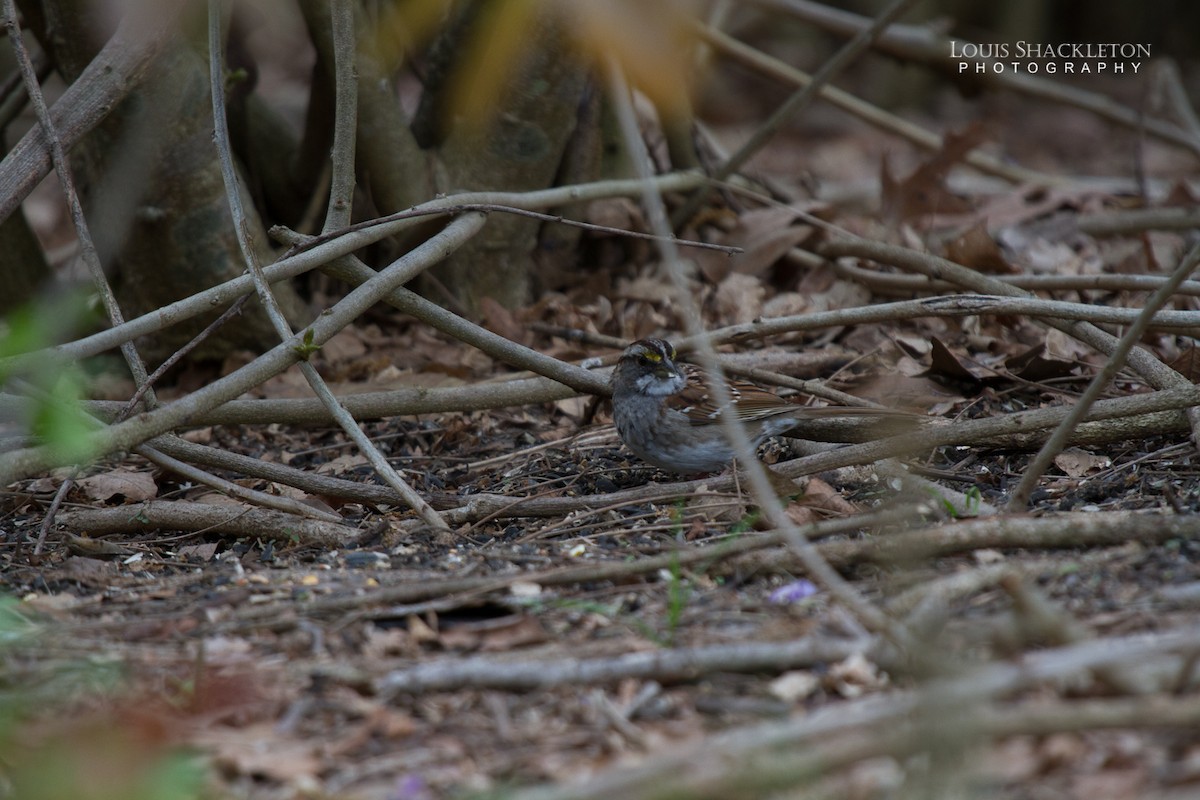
x=524, y=630
x=119, y=486
x=819, y=496
x=977, y=249
x=200, y=552
x=897, y=390
x=259, y=751
x=1076, y=463
x=923, y=192
x=765, y=234
x=1032, y=365
x=785, y=304
x=1188, y=364
x=346, y=345
x=499, y=319
x=943, y=362
x=616, y=212
x=494, y=635
x=739, y=299
x=1181, y=194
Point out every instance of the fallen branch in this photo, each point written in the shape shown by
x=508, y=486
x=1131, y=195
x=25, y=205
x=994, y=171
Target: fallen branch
x=1070, y=530
x=181, y=515
x=664, y=665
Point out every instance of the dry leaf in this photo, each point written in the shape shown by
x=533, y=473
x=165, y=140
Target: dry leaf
x=1032, y=365
x=978, y=250
x=943, y=362
x=119, y=486
x=498, y=319
x=854, y=676
x=616, y=212
x=1076, y=463
x=739, y=299
x=200, y=552
x=343, y=464
x=1188, y=364
x=259, y=751
x=765, y=235
x=785, y=304
x=819, y=496
x=494, y=635
x=924, y=191
x=793, y=686
x=345, y=345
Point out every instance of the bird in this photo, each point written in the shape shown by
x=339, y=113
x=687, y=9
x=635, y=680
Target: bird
x=667, y=413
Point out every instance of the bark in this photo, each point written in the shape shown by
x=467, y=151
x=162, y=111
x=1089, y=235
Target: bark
x=520, y=148
x=153, y=185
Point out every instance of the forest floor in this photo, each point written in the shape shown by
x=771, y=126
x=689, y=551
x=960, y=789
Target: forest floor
x=633, y=648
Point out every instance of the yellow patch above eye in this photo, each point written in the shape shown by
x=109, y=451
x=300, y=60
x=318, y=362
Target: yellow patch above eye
x=655, y=357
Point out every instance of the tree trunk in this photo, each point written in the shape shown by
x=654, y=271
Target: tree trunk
x=154, y=193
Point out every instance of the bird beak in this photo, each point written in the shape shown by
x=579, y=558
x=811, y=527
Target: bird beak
x=665, y=371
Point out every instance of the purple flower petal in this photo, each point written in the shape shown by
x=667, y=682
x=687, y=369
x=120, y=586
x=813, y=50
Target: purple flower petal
x=411, y=787
x=793, y=592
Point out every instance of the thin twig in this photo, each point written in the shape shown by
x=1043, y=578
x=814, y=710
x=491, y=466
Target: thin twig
x=1137, y=220
x=179, y=354
x=899, y=283
x=263, y=287
x=345, y=118
x=353, y=271
x=371, y=405
x=487, y=208
x=286, y=505
x=292, y=266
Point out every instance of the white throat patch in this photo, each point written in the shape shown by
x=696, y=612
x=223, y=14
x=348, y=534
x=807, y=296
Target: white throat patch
x=653, y=385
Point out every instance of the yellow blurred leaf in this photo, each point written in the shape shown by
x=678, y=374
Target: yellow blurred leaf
x=652, y=41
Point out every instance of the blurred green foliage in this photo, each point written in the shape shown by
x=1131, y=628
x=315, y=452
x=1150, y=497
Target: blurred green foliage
x=70, y=729
x=55, y=386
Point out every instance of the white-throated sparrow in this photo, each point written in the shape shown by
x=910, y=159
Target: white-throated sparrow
x=667, y=414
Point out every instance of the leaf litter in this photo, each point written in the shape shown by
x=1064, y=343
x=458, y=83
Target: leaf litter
x=269, y=655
